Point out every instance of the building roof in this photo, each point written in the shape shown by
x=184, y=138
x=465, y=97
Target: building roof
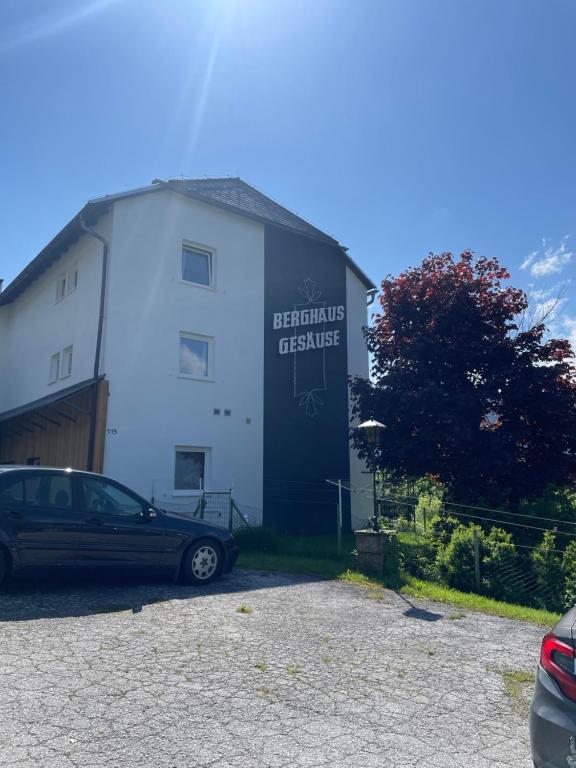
x=230, y=193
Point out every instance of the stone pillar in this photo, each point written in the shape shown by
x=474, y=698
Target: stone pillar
x=378, y=554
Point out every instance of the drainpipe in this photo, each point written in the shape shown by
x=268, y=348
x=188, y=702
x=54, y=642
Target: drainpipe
x=94, y=405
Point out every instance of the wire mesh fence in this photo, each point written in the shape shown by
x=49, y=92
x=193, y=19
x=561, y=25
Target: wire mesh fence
x=505, y=554
x=213, y=507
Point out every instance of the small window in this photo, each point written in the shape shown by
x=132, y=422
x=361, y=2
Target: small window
x=55, y=367
x=12, y=494
x=190, y=469
x=196, y=266
x=66, y=363
x=102, y=496
x=61, y=287
x=195, y=356
x=66, y=283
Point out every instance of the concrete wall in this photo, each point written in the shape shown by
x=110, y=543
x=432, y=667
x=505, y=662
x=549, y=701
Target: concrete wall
x=152, y=408
x=36, y=325
x=361, y=502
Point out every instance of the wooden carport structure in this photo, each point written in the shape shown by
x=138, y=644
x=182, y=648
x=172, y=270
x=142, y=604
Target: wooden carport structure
x=56, y=430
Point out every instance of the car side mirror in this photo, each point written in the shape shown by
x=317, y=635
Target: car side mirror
x=147, y=514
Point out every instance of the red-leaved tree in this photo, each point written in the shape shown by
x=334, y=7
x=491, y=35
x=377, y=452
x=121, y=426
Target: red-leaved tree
x=465, y=395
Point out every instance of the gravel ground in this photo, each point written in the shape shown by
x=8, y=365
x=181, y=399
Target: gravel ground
x=314, y=673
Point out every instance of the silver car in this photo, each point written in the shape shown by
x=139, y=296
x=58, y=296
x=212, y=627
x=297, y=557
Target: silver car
x=553, y=707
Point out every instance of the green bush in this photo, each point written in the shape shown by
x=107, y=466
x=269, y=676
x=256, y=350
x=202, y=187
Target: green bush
x=569, y=576
x=500, y=566
x=427, y=510
x=418, y=556
x=547, y=570
x=442, y=527
x=456, y=559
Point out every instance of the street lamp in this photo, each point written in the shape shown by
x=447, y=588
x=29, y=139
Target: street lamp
x=372, y=430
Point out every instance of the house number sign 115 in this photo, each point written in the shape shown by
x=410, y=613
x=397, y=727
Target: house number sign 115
x=112, y=431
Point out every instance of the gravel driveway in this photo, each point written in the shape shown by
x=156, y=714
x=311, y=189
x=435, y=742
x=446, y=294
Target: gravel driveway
x=313, y=673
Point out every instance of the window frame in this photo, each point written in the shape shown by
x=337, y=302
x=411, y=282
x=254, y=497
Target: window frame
x=209, y=341
x=69, y=281
x=67, y=354
x=204, y=249
x=81, y=479
x=54, y=363
x=207, y=451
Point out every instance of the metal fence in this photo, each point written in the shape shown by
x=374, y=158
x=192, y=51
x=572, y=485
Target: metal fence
x=214, y=507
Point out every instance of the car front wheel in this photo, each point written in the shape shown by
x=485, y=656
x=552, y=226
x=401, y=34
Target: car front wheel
x=202, y=563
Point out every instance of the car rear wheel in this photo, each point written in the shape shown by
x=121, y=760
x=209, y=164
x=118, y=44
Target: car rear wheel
x=202, y=562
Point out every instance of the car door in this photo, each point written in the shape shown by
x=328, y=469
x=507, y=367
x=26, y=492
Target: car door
x=118, y=527
x=38, y=516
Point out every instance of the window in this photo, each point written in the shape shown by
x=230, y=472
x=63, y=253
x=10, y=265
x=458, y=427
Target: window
x=55, y=367
x=12, y=494
x=61, y=287
x=195, y=356
x=66, y=283
x=197, y=266
x=48, y=491
x=66, y=363
x=190, y=469
x=102, y=496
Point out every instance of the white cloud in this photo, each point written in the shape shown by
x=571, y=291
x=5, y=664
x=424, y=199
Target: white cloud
x=569, y=330
x=548, y=309
x=528, y=260
x=553, y=259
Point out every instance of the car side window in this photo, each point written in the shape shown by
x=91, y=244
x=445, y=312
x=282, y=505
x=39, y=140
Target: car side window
x=49, y=490
x=12, y=495
x=102, y=496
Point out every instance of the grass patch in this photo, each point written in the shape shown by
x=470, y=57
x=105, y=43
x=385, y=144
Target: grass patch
x=516, y=684
x=478, y=603
x=293, y=670
x=372, y=594
x=261, y=665
x=244, y=609
x=456, y=616
x=316, y=555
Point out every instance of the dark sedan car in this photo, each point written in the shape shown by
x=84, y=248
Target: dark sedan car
x=553, y=708
x=61, y=517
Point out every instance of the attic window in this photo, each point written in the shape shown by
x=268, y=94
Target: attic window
x=66, y=283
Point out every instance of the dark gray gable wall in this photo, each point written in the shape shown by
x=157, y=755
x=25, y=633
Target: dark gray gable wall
x=305, y=392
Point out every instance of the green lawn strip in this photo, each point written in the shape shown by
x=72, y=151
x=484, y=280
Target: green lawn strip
x=478, y=603
x=342, y=570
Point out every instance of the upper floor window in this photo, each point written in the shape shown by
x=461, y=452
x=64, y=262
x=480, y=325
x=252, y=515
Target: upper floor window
x=197, y=266
x=66, y=283
x=196, y=356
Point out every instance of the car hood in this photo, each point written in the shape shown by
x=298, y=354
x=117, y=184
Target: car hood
x=177, y=520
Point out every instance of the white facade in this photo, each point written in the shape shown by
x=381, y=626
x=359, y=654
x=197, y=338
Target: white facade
x=39, y=324
x=148, y=306
x=153, y=409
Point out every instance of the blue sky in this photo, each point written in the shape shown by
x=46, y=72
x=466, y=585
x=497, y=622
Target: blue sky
x=398, y=126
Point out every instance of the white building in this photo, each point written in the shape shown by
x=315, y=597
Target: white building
x=190, y=334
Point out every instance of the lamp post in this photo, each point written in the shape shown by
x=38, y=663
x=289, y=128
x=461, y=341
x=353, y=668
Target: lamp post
x=371, y=430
